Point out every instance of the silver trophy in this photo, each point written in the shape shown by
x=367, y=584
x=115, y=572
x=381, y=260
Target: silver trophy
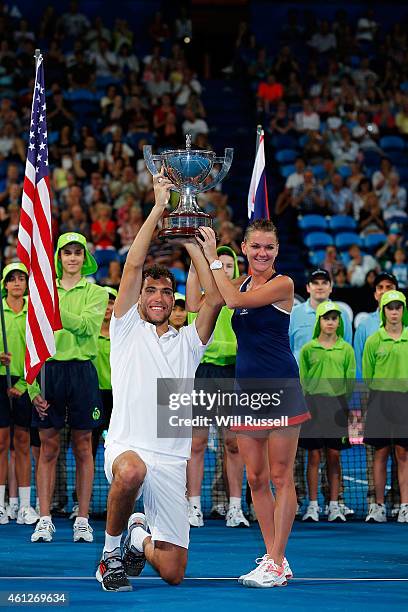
x=187, y=169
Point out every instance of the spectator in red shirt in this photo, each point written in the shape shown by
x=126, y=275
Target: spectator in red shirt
x=103, y=228
x=269, y=92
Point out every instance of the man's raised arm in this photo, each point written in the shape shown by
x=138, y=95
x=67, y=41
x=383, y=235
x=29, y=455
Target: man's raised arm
x=213, y=301
x=131, y=282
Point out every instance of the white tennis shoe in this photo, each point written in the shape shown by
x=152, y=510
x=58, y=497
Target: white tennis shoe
x=262, y=560
x=27, y=516
x=267, y=575
x=82, y=531
x=235, y=517
x=44, y=531
x=195, y=517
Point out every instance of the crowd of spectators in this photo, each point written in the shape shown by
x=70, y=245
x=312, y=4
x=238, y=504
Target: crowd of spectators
x=104, y=102
x=328, y=95
x=327, y=98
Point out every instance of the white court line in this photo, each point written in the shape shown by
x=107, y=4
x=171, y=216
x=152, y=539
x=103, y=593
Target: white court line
x=204, y=578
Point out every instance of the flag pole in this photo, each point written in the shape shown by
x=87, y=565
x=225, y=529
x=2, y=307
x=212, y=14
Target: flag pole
x=37, y=54
x=258, y=137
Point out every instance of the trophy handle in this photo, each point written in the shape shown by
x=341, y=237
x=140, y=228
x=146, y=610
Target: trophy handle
x=226, y=162
x=150, y=159
x=151, y=166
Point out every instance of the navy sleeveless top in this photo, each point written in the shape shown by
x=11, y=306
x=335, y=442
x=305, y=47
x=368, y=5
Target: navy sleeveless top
x=263, y=341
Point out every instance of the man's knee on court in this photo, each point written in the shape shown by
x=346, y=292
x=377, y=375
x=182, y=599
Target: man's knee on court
x=128, y=474
x=173, y=576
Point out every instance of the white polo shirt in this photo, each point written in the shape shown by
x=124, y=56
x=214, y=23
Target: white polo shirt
x=138, y=358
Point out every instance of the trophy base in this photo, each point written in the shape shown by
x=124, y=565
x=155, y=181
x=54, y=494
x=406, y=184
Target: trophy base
x=184, y=225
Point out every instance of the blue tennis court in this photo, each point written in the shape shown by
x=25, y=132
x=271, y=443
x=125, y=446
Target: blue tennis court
x=336, y=567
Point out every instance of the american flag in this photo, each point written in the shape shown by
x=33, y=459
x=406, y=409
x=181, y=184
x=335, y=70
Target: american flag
x=258, y=207
x=35, y=247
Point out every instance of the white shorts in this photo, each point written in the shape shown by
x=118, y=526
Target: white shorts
x=164, y=493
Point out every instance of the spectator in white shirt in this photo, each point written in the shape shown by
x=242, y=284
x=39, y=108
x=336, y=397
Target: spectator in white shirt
x=296, y=178
x=359, y=266
x=192, y=125
x=105, y=61
x=324, y=40
x=188, y=85
x=345, y=150
x=393, y=200
x=307, y=119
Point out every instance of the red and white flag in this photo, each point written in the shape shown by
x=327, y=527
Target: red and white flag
x=35, y=246
x=258, y=207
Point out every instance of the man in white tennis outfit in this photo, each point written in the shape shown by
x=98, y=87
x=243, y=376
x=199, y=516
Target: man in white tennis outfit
x=145, y=348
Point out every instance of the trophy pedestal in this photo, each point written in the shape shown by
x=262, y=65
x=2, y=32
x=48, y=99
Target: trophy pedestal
x=184, y=225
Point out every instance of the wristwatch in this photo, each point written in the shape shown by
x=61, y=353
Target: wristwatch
x=216, y=265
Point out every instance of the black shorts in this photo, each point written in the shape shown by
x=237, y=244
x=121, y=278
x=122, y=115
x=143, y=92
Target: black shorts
x=18, y=412
x=107, y=404
x=72, y=390
x=35, y=437
x=328, y=427
x=209, y=378
x=387, y=419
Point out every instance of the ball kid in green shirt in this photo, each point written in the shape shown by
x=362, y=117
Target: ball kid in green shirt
x=385, y=370
x=327, y=372
x=15, y=404
x=71, y=383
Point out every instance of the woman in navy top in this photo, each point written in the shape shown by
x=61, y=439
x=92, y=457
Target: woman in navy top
x=262, y=306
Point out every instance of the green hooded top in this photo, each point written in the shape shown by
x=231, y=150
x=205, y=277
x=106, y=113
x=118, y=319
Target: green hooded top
x=82, y=308
x=223, y=349
x=327, y=371
x=385, y=360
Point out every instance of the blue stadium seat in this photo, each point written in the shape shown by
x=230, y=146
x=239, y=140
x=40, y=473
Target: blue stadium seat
x=403, y=173
x=318, y=240
x=105, y=256
x=316, y=257
x=287, y=170
x=344, y=240
x=342, y=223
x=286, y=156
x=303, y=140
x=372, y=159
x=284, y=141
x=392, y=143
x=344, y=171
x=318, y=171
x=372, y=242
x=312, y=223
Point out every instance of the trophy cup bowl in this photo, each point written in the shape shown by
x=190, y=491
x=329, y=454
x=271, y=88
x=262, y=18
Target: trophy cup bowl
x=187, y=169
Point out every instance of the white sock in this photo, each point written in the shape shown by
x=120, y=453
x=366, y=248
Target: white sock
x=37, y=502
x=2, y=494
x=137, y=537
x=195, y=501
x=404, y=505
x=235, y=501
x=46, y=518
x=313, y=503
x=13, y=501
x=24, y=494
x=81, y=520
x=111, y=542
x=333, y=504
